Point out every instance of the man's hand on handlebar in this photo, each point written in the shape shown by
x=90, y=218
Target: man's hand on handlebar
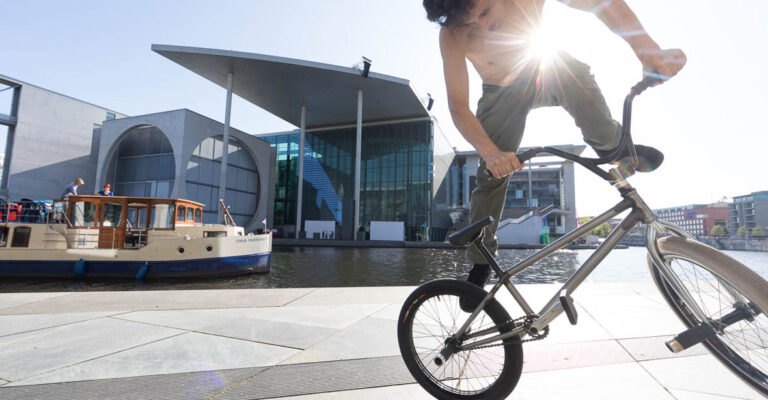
x=665, y=63
x=501, y=163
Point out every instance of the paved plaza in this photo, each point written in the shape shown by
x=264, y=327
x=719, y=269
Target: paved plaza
x=325, y=343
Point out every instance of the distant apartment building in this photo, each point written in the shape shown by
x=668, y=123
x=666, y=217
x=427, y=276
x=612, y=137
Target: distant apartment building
x=540, y=199
x=697, y=219
x=748, y=211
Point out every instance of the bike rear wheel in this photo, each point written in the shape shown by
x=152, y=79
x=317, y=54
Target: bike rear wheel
x=430, y=315
x=720, y=286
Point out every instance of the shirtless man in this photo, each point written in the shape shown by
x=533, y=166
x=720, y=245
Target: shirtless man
x=494, y=36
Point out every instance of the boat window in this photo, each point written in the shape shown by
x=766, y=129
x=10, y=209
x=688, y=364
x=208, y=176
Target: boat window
x=181, y=214
x=190, y=214
x=198, y=215
x=214, y=234
x=162, y=216
x=136, y=217
x=21, y=236
x=112, y=213
x=83, y=214
x=3, y=236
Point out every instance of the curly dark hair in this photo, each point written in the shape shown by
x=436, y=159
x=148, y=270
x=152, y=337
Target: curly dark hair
x=448, y=12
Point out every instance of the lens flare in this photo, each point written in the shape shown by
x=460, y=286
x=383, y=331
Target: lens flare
x=542, y=46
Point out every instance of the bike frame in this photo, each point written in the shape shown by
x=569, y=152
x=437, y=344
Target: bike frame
x=640, y=213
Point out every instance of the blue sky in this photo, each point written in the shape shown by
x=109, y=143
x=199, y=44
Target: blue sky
x=708, y=121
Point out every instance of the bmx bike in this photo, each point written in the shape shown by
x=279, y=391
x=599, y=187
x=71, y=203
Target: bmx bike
x=455, y=354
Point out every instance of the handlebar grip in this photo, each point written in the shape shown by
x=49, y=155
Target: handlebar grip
x=526, y=155
x=651, y=79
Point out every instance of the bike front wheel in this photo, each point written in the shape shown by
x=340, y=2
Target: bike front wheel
x=430, y=316
x=720, y=287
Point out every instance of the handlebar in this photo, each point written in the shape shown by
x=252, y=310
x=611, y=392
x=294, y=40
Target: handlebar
x=626, y=137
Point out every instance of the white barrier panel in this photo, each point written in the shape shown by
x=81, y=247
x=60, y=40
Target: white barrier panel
x=384, y=230
x=324, y=229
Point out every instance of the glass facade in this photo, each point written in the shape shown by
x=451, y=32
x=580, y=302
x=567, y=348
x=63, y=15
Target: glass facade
x=545, y=187
x=243, y=180
x=395, y=184
x=144, y=164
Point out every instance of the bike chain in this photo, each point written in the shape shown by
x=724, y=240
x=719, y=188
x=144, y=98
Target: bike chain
x=526, y=321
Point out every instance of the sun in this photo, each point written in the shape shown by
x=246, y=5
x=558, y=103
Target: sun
x=542, y=46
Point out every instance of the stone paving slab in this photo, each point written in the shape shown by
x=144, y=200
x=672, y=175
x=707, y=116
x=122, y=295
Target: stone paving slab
x=367, y=338
x=573, y=384
x=653, y=348
x=687, y=395
x=354, y=295
x=699, y=374
x=237, y=384
x=160, y=300
x=189, y=352
x=298, y=336
x=543, y=356
x=198, y=385
x=341, y=317
x=14, y=324
x=410, y=392
x=8, y=300
x=33, y=353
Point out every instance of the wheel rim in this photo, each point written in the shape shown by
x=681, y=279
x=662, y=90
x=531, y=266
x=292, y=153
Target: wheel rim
x=744, y=344
x=465, y=373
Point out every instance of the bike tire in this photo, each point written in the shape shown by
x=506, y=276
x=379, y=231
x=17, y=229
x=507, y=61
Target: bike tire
x=735, y=345
x=426, y=308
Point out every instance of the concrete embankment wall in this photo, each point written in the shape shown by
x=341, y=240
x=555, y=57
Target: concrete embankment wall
x=737, y=244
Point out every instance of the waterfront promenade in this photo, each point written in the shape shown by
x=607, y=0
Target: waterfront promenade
x=324, y=343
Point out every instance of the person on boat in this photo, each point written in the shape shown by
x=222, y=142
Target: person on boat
x=107, y=190
x=496, y=36
x=71, y=189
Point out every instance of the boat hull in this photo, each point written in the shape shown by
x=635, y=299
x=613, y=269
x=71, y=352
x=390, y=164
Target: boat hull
x=205, y=267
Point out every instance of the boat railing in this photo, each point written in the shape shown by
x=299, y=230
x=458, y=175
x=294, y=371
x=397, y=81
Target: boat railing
x=96, y=239
x=81, y=239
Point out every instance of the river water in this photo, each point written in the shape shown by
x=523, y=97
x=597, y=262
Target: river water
x=337, y=267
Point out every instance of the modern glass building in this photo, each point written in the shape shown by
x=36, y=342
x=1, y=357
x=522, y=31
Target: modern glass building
x=371, y=150
x=397, y=176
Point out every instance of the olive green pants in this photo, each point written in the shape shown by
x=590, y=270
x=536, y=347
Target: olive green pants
x=502, y=111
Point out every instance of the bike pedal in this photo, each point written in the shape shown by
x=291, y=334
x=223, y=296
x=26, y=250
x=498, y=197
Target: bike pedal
x=570, y=310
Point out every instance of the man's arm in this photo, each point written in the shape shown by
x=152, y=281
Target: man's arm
x=453, y=50
x=620, y=19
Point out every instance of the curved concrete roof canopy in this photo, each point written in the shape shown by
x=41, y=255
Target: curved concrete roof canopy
x=282, y=85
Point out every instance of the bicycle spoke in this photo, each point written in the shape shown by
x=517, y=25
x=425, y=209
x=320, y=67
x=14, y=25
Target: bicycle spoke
x=716, y=299
x=467, y=372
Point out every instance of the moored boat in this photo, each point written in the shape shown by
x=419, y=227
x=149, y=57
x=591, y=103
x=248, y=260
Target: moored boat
x=132, y=237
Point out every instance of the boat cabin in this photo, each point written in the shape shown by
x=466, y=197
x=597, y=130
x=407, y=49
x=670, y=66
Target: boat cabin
x=124, y=222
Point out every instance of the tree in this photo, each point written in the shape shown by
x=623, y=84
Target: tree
x=758, y=232
x=717, y=231
x=742, y=231
x=602, y=230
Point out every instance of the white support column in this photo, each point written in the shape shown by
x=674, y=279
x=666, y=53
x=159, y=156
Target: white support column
x=300, y=199
x=358, y=153
x=530, y=186
x=225, y=148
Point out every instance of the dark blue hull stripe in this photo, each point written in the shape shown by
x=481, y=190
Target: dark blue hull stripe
x=129, y=269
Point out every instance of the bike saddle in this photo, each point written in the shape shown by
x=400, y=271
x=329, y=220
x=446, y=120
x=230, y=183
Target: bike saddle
x=648, y=158
x=468, y=235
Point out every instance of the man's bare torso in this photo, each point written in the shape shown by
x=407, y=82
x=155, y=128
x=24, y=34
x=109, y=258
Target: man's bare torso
x=499, y=53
